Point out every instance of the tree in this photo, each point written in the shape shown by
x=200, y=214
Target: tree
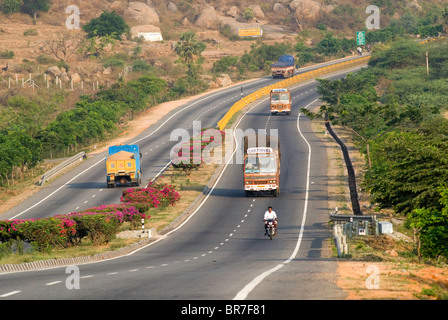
x=95, y=46
x=189, y=48
x=11, y=6
x=33, y=7
x=431, y=228
x=107, y=24
x=329, y=45
x=401, y=54
x=64, y=47
x=407, y=169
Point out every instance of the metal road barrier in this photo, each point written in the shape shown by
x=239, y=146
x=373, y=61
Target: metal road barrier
x=348, y=225
x=289, y=82
x=70, y=161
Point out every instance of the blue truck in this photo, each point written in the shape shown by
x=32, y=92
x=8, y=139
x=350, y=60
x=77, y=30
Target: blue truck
x=284, y=67
x=123, y=165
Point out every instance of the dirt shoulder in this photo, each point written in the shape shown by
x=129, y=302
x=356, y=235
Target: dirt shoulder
x=378, y=267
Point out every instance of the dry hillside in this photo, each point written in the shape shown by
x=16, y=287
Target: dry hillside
x=281, y=20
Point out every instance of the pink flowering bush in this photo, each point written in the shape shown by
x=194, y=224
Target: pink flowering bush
x=99, y=224
x=9, y=229
x=154, y=196
x=48, y=233
x=194, y=159
x=99, y=228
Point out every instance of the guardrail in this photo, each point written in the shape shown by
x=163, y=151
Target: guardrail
x=289, y=82
x=47, y=175
x=348, y=225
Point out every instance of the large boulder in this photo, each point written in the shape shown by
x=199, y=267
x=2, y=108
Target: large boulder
x=141, y=13
x=233, y=12
x=208, y=18
x=224, y=80
x=53, y=71
x=256, y=9
x=172, y=7
x=305, y=9
x=119, y=6
x=279, y=8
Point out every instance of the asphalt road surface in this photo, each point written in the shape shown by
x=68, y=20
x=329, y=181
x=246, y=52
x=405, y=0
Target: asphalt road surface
x=220, y=252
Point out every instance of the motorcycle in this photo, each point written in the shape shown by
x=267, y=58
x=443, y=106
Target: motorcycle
x=271, y=229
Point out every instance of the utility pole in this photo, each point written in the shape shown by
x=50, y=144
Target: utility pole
x=427, y=63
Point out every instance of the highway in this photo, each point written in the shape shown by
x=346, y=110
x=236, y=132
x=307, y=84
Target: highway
x=220, y=253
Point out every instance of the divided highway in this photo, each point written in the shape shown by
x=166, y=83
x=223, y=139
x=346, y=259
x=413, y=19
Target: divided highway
x=220, y=252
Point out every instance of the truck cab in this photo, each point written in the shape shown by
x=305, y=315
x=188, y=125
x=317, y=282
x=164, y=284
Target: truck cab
x=261, y=168
x=281, y=101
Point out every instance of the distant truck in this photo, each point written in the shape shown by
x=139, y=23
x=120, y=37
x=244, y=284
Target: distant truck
x=281, y=101
x=261, y=168
x=284, y=67
x=123, y=165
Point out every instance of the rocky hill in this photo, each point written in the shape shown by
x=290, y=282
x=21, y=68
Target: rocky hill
x=215, y=22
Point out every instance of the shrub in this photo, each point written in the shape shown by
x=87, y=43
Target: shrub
x=11, y=6
x=114, y=63
x=155, y=196
x=223, y=64
x=6, y=54
x=132, y=212
x=9, y=229
x=48, y=233
x=63, y=64
x=30, y=32
x=107, y=24
x=98, y=228
x=43, y=59
x=140, y=65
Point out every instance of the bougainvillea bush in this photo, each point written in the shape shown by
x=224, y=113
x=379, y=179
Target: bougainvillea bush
x=154, y=196
x=99, y=228
x=194, y=157
x=46, y=233
x=98, y=224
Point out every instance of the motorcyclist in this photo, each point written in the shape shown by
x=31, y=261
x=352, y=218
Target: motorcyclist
x=269, y=215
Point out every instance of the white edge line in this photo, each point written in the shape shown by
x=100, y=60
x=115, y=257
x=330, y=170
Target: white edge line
x=145, y=137
x=10, y=293
x=164, y=236
x=243, y=293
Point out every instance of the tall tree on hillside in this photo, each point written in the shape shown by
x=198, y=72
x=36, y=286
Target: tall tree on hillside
x=11, y=6
x=189, y=49
x=107, y=24
x=33, y=7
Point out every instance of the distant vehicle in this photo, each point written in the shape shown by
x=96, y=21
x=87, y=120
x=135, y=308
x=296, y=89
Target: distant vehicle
x=281, y=101
x=284, y=67
x=261, y=167
x=123, y=165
